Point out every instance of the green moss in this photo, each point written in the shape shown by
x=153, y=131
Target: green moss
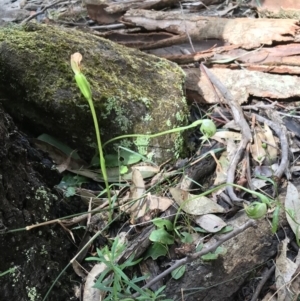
x=133, y=92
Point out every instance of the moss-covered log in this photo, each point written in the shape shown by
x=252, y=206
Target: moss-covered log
x=133, y=92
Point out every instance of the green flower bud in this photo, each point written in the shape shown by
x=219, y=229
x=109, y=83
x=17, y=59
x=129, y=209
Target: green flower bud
x=75, y=62
x=208, y=128
x=83, y=85
x=256, y=210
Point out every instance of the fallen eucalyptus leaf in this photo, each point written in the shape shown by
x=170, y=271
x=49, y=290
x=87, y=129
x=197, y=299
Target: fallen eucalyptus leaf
x=195, y=204
x=210, y=222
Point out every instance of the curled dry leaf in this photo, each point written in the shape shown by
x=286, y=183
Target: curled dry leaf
x=143, y=206
x=271, y=147
x=227, y=135
x=137, y=195
x=257, y=150
x=89, y=195
x=221, y=173
x=195, y=204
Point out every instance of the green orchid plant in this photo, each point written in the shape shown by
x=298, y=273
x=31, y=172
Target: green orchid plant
x=86, y=91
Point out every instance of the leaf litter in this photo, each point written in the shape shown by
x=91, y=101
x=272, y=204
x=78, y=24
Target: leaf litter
x=254, y=70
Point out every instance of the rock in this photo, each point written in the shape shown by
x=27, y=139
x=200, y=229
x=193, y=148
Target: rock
x=220, y=279
x=133, y=92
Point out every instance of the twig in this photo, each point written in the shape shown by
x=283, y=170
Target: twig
x=192, y=257
x=41, y=11
x=186, y=31
x=248, y=174
x=258, y=106
x=283, y=142
x=289, y=115
x=241, y=121
x=108, y=27
x=265, y=276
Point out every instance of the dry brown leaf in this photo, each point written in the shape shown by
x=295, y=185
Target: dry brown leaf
x=257, y=151
x=160, y=203
x=285, y=269
x=221, y=173
x=292, y=207
x=195, y=204
x=271, y=146
x=227, y=135
x=210, y=222
x=60, y=157
x=86, y=195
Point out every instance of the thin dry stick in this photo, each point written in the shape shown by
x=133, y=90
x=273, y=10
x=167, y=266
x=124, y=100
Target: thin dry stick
x=265, y=276
x=41, y=11
x=186, y=30
x=241, y=121
x=258, y=106
x=192, y=257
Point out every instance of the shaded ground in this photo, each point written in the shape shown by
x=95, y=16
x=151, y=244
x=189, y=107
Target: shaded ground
x=27, y=197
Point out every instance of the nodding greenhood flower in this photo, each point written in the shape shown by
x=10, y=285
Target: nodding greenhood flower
x=81, y=80
x=208, y=128
x=264, y=198
x=256, y=210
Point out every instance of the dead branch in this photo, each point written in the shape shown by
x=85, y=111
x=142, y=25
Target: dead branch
x=241, y=121
x=283, y=142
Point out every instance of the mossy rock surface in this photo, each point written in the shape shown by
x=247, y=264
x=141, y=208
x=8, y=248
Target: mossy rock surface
x=133, y=92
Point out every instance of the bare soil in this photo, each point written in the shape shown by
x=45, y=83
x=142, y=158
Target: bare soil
x=27, y=196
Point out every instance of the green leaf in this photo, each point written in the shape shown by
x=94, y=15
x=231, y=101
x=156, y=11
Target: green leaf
x=161, y=223
x=225, y=230
x=129, y=157
x=123, y=169
x=156, y=250
x=162, y=236
x=178, y=273
x=70, y=180
x=199, y=247
x=221, y=251
x=187, y=237
x=129, y=262
x=59, y=145
x=275, y=219
x=106, y=288
x=215, y=255
x=111, y=160
x=209, y=256
x=70, y=192
x=134, y=286
x=200, y=230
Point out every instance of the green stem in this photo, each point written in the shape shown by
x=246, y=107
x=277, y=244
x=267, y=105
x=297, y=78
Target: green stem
x=102, y=160
x=175, y=130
